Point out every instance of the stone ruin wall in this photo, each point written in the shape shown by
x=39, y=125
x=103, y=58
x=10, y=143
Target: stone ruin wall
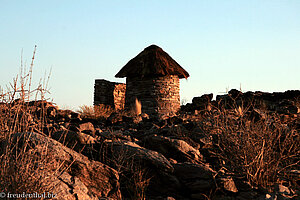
x=119, y=95
x=281, y=102
x=109, y=94
x=159, y=95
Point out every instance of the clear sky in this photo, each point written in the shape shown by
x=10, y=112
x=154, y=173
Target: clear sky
x=222, y=44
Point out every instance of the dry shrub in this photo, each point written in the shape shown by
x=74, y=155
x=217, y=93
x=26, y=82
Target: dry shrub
x=17, y=114
x=134, y=177
x=23, y=168
x=95, y=112
x=104, y=111
x=264, y=152
x=138, y=182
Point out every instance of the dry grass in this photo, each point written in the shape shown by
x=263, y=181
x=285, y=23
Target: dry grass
x=134, y=179
x=262, y=152
x=95, y=112
x=104, y=111
x=22, y=167
x=138, y=182
x=27, y=169
x=17, y=114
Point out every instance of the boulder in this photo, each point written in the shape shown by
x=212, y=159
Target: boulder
x=115, y=135
x=73, y=140
x=131, y=159
x=150, y=158
x=234, y=93
x=172, y=148
x=227, y=184
x=87, y=128
x=202, y=102
x=197, y=178
x=80, y=178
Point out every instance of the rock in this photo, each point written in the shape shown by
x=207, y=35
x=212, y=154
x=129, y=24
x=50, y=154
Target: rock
x=247, y=195
x=202, y=102
x=51, y=112
x=163, y=183
x=234, y=93
x=162, y=198
x=67, y=184
x=64, y=115
x=281, y=189
x=257, y=115
x=286, y=106
x=84, y=139
x=75, y=115
x=154, y=164
x=197, y=178
x=175, y=120
x=268, y=197
x=127, y=119
x=114, y=135
x=114, y=118
x=172, y=148
x=187, y=108
x=73, y=140
x=144, y=116
x=169, y=198
x=227, y=184
x=138, y=153
x=222, y=197
x=87, y=128
x=284, y=193
x=200, y=185
x=82, y=178
x=292, y=109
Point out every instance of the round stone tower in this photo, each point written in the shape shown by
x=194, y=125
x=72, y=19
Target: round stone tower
x=152, y=77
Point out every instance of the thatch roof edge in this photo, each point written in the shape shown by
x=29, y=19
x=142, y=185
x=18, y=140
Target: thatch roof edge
x=150, y=62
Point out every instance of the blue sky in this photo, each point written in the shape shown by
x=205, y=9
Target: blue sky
x=222, y=44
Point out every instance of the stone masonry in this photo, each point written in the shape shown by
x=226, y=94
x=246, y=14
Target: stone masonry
x=109, y=94
x=158, y=95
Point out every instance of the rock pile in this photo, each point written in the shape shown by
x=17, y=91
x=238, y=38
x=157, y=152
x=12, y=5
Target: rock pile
x=142, y=157
x=281, y=102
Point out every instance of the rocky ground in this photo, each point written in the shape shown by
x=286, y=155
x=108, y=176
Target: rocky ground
x=240, y=146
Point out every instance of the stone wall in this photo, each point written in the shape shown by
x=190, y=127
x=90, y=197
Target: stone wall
x=159, y=95
x=281, y=102
x=119, y=95
x=109, y=94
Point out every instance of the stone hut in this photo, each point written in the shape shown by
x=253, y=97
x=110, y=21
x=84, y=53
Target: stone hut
x=152, y=77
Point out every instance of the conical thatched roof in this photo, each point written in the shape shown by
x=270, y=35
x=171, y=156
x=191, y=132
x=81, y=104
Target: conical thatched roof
x=153, y=61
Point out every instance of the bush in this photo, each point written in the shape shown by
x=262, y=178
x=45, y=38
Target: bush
x=23, y=169
x=94, y=112
x=263, y=152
